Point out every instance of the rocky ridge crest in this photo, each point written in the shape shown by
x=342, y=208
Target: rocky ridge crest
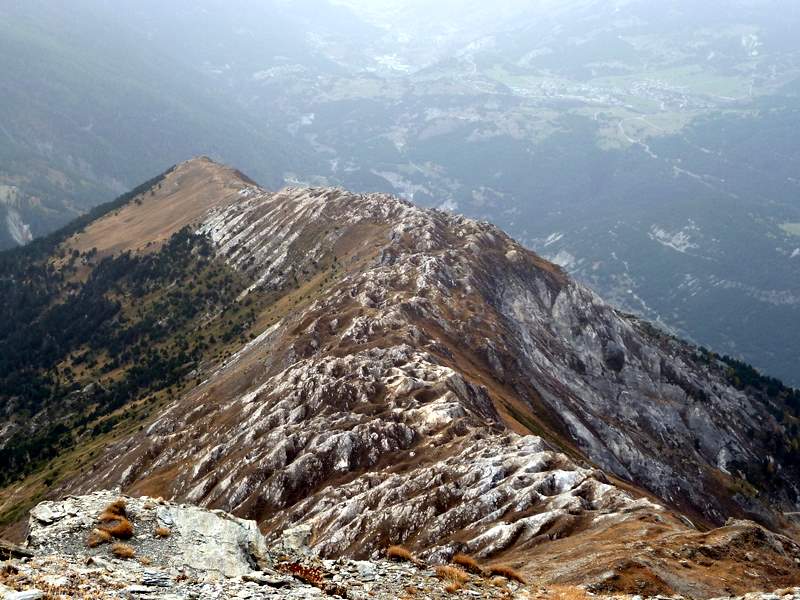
x=463, y=305
x=423, y=379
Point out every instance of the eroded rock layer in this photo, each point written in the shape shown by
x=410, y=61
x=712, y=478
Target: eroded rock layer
x=184, y=552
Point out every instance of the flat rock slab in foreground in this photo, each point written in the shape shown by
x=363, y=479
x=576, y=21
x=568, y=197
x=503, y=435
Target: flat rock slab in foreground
x=206, y=554
x=211, y=542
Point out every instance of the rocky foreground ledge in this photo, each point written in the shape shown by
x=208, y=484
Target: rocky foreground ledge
x=106, y=546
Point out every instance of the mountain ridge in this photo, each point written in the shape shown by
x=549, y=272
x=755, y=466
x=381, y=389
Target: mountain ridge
x=390, y=358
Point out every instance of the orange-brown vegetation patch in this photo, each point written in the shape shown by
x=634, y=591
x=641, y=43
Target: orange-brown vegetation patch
x=123, y=551
x=467, y=563
x=117, y=507
x=312, y=575
x=115, y=521
x=452, y=588
x=400, y=553
x=98, y=537
x=506, y=571
x=452, y=574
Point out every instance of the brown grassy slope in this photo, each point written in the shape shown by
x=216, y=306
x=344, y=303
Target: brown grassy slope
x=653, y=554
x=181, y=199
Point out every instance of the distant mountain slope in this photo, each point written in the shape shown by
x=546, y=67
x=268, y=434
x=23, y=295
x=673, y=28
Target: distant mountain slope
x=97, y=105
x=384, y=374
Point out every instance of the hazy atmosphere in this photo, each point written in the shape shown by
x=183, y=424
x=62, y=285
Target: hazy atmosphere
x=647, y=148
x=597, y=245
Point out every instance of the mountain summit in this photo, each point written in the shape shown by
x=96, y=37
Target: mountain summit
x=386, y=374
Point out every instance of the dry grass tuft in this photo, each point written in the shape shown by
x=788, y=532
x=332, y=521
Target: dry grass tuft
x=400, y=553
x=115, y=520
x=162, y=532
x=559, y=592
x=452, y=588
x=144, y=560
x=117, y=507
x=452, y=574
x=506, y=571
x=468, y=563
x=122, y=529
x=98, y=537
x=114, y=512
x=312, y=575
x=122, y=551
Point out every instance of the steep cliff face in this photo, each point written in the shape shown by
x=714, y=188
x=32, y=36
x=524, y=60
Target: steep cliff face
x=416, y=377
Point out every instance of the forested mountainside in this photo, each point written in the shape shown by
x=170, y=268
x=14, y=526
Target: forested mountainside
x=99, y=104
